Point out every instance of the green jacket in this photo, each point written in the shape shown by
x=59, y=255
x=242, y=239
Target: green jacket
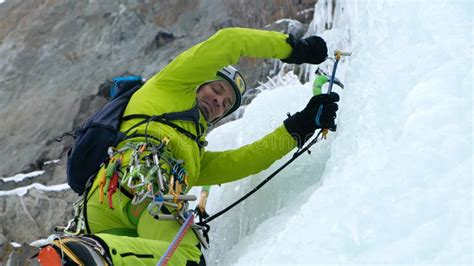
x=174, y=89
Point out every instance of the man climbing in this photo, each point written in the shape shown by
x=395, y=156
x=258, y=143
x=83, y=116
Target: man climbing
x=164, y=155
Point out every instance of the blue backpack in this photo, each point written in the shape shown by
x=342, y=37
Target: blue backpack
x=101, y=131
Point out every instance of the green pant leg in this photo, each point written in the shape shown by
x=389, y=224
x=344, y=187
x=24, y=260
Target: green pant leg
x=113, y=226
x=101, y=218
x=126, y=250
x=151, y=228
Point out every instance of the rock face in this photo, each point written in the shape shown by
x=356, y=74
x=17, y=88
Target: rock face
x=55, y=53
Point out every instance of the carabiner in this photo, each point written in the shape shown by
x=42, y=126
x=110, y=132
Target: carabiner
x=154, y=208
x=136, y=174
x=139, y=197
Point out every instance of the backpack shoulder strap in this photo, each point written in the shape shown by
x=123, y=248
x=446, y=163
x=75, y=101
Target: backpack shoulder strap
x=191, y=115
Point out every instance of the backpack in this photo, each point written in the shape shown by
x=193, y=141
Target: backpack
x=101, y=131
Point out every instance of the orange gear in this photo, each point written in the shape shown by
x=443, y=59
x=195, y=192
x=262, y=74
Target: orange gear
x=49, y=257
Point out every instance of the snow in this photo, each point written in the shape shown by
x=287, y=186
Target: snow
x=15, y=244
x=393, y=185
x=21, y=191
x=20, y=177
x=52, y=162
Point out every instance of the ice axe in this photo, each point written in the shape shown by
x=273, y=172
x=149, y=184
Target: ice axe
x=337, y=55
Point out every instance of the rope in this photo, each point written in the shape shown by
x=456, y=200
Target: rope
x=177, y=239
x=266, y=180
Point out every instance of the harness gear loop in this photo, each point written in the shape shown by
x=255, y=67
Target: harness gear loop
x=152, y=173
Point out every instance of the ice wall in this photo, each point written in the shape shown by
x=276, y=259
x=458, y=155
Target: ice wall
x=394, y=183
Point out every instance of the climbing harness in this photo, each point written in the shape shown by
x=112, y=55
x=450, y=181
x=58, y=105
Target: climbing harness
x=152, y=174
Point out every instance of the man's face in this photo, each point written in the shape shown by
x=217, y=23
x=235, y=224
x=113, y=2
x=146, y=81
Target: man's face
x=215, y=99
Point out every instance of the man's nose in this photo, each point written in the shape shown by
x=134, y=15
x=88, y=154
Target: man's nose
x=218, y=100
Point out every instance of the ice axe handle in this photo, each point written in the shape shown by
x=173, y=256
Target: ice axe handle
x=331, y=83
x=338, y=55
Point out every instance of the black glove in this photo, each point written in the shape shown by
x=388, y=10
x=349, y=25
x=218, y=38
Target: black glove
x=310, y=50
x=303, y=124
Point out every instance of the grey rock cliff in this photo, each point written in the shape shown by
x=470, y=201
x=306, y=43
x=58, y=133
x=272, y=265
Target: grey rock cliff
x=55, y=53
